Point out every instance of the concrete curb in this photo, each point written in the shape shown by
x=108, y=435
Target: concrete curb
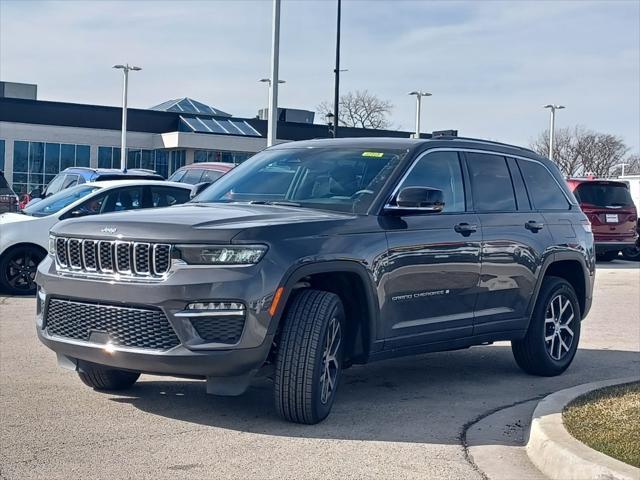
x=559, y=455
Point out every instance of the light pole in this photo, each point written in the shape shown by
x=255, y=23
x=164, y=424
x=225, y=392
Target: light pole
x=330, y=121
x=336, y=87
x=419, y=94
x=123, y=141
x=272, y=125
x=268, y=82
x=621, y=165
x=552, y=126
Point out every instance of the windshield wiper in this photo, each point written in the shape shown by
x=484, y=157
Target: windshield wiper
x=282, y=203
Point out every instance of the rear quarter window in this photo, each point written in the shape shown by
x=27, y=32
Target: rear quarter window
x=544, y=191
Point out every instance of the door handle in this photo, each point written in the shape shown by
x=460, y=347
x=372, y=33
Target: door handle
x=533, y=225
x=465, y=229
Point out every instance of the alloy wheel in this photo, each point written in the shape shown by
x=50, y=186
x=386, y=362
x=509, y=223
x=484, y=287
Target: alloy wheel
x=558, y=321
x=330, y=363
x=21, y=271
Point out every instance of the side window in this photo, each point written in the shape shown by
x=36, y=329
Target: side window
x=177, y=175
x=55, y=185
x=92, y=206
x=440, y=170
x=121, y=199
x=192, y=176
x=491, y=183
x=167, y=196
x=70, y=181
x=543, y=190
x=211, y=175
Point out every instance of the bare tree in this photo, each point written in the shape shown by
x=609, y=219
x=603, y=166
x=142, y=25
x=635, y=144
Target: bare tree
x=360, y=109
x=579, y=151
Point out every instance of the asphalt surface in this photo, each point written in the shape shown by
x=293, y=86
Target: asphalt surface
x=405, y=418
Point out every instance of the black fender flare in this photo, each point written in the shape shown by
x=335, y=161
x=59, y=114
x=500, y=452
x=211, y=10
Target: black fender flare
x=298, y=272
x=550, y=260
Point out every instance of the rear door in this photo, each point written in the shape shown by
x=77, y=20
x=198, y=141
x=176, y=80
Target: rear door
x=515, y=241
x=433, y=264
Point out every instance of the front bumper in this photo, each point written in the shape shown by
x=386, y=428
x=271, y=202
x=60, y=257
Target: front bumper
x=193, y=356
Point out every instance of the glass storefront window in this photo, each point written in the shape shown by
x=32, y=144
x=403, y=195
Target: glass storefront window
x=36, y=163
x=1, y=155
x=220, y=156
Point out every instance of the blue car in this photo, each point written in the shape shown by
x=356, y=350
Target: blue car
x=77, y=175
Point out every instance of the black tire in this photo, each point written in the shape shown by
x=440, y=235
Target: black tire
x=300, y=363
x=100, y=378
x=18, y=269
x=533, y=352
x=607, y=256
x=631, y=253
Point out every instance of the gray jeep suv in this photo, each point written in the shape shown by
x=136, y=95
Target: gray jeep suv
x=316, y=255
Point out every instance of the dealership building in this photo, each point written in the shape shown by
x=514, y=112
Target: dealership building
x=38, y=138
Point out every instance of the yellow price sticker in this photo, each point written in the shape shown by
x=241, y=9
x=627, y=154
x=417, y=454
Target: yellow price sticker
x=373, y=154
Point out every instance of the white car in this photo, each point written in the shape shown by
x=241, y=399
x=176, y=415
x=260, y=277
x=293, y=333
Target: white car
x=24, y=236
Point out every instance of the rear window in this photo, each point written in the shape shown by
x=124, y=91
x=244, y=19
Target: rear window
x=603, y=195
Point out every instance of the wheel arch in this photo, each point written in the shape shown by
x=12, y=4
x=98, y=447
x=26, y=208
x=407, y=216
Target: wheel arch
x=349, y=280
x=573, y=269
x=16, y=246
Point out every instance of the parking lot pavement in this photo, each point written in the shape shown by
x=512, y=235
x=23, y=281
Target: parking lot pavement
x=402, y=418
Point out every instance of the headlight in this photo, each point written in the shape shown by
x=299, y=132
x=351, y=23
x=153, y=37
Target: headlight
x=52, y=245
x=221, y=255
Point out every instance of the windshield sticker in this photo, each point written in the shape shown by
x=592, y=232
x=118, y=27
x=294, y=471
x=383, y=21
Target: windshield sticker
x=373, y=154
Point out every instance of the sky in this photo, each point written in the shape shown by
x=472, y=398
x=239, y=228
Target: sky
x=490, y=65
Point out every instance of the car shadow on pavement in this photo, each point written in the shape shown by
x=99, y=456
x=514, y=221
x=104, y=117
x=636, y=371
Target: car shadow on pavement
x=618, y=264
x=428, y=398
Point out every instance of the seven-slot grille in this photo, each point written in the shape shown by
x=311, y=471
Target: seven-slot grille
x=113, y=256
x=122, y=326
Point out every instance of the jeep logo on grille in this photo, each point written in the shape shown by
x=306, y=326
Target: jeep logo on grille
x=109, y=230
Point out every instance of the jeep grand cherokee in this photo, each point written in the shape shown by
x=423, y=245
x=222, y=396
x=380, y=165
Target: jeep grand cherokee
x=316, y=255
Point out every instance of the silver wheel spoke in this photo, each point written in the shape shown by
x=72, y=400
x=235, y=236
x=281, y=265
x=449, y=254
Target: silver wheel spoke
x=330, y=364
x=558, y=318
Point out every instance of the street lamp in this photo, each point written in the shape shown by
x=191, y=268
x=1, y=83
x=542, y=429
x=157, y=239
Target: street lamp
x=268, y=81
x=272, y=124
x=123, y=142
x=330, y=117
x=552, y=126
x=419, y=94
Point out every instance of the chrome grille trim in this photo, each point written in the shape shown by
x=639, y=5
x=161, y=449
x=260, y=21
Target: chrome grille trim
x=113, y=259
x=142, y=249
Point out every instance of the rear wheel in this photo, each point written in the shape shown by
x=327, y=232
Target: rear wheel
x=18, y=269
x=552, y=339
x=631, y=253
x=101, y=378
x=607, y=256
x=309, y=362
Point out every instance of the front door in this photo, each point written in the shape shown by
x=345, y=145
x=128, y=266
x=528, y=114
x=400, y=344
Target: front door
x=433, y=264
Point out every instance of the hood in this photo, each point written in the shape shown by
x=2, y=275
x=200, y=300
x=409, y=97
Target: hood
x=190, y=222
x=7, y=218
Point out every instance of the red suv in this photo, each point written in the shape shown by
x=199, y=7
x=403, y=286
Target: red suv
x=611, y=211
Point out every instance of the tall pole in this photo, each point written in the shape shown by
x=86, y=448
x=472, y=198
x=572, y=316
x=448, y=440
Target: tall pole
x=125, y=87
x=272, y=126
x=123, y=138
x=419, y=94
x=336, y=93
x=552, y=126
x=418, y=104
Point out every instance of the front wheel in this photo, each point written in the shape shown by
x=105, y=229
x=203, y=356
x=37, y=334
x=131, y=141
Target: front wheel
x=101, y=378
x=309, y=361
x=18, y=269
x=552, y=339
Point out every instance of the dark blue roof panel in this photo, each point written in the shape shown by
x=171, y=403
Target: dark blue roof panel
x=188, y=105
x=223, y=126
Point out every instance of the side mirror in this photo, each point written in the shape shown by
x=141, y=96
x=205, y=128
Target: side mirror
x=198, y=188
x=419, y=199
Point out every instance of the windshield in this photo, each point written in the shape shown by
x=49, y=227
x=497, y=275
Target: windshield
x=58, y=201
x=341, y=179
x=603, y=195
